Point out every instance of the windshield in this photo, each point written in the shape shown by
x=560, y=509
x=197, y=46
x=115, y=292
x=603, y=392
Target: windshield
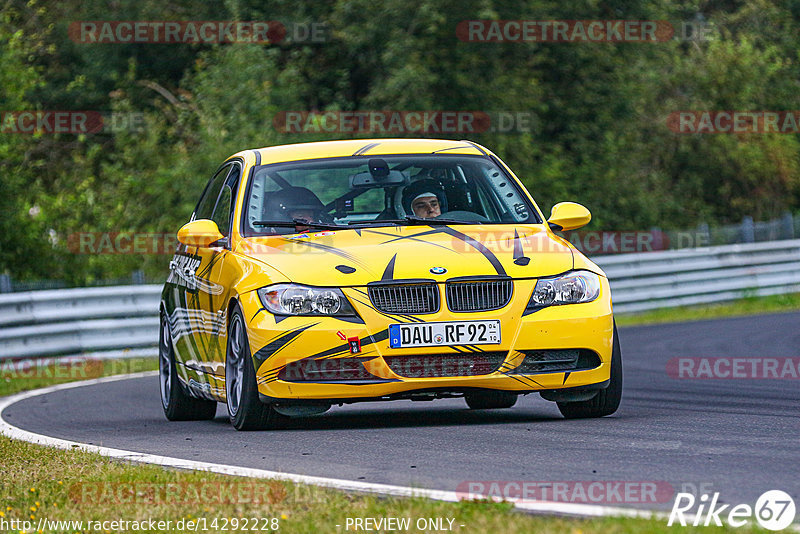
x=365, y=191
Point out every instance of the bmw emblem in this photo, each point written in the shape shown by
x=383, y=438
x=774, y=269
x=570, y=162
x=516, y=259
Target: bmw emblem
x=438, y=270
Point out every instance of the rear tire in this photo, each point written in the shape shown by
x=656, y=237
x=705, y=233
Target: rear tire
x=490, y=400
x=178, y=405
x=607, y=400
x=245, y=409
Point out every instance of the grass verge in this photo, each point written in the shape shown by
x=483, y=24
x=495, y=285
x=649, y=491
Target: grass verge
x=737, y=308
x=44, y=484
x=23, y=375
x=80, y=486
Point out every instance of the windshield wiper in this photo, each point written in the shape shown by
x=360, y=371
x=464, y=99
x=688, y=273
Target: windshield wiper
x=299, y=223
x=437, y=221
x=422, y=221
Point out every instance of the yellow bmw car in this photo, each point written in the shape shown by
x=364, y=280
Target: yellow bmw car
x=372, y=270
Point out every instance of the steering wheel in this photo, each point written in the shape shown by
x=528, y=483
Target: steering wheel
x=460, y=215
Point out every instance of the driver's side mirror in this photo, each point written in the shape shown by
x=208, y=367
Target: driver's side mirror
x=200, y=233
x=568, y=216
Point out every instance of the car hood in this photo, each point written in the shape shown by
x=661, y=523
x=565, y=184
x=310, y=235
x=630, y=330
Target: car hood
x=360, y=256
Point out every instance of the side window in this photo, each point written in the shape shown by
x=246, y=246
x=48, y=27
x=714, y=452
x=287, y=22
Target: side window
x=224, y=209
x=205, y=208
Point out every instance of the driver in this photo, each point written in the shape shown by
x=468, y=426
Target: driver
x=425, y=198
x=294, y=203
x=426, y=206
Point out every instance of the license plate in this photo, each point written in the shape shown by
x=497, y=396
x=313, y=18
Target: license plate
x=444, y=334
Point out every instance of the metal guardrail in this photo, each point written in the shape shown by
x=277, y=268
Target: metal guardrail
x=651, y=280
x=122, y=321
x=74, y=321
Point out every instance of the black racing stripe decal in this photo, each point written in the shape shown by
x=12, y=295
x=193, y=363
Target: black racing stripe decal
x=348, y=319
x=529, y=311
x=292, y=330
x=566, y=375
x=365, y=148
x=367, y=304
x=480, y=247
x=519, y=255
x=383, y=335
x=414, y=237
x=513, y=363
x=522, y=379
x=280, y=342
x=426, y=232
x=333, y=250
x=368, y=382
x=388, y=273
x=256, y=314
x=411, y=318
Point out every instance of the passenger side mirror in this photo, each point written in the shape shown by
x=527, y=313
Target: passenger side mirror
x=200, y=233
x=568, y=216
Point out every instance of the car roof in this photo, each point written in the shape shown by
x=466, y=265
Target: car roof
x=365, y=147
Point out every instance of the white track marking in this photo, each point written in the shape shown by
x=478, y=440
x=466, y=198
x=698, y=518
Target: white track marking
x=14, y=432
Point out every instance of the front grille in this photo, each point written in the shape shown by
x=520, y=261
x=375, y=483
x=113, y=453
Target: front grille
x=405, y=298
x=478, y=296
x=543, y=361
x=441, y=365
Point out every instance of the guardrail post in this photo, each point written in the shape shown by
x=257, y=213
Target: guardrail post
x=787, y=226
x=748, y=230
x=138, y=277
x=5, y=283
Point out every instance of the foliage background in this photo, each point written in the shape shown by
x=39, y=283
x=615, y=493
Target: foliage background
x=600, y=137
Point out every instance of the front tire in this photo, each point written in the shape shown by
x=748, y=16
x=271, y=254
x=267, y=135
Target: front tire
x=177, y=404
x=490, y=400
x=245, y=410
x=607, y=400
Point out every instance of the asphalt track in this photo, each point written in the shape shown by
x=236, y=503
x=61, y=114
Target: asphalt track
x=738, y=437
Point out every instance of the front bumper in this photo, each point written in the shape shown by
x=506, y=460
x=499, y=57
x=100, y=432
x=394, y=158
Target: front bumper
x=279, y=343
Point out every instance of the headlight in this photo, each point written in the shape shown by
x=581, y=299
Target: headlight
x=292, y=299
x=571, y=288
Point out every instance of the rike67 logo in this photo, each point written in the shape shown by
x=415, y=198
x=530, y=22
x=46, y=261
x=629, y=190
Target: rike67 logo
x=774, y=510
